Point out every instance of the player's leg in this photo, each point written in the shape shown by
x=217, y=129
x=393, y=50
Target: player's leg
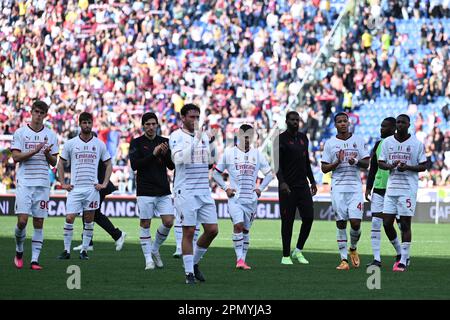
x=37, y=241
x=41, y=196
x=164, y=208
x=207, y=216
x=20, y=235
x=188, y=251
x=236, y=213
x=74, y=206
x=287, y=213
x=355, y=211
x=389, y=213
x=249, y=216
x=88, y=231
x=306, y=209
x=406, y=208
x=178, y=232
x=146, y=210
x=145, y=238
x=406, y=238
x=341, y=216
x=91, y=202
x=376, y=207
x=22, y=210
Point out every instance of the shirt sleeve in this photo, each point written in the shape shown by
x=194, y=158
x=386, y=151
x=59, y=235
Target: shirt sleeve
x=17, y=142
x=105, y=156
x=55, y=147
x=326, y=155
x=221, y=164
x=362, y=150
x=65, y=153
x=384, y=151
x=264, y=164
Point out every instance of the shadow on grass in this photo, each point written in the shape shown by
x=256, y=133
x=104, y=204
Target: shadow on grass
x=120, y=275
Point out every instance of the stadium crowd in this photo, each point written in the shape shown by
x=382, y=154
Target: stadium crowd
x=240, y=60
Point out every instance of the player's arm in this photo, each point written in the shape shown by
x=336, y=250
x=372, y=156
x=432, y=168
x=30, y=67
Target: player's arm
x=277, y=151
x=363, y=163
x=309, y=172
x=137, y=161
x=60, y=170
x=168, y=159
x=108, y=172
x=327, y=167
x=419, y=168
x=267, y=172
x=180, y=154
x=218, y=170
x=373, y=168
x=51, y=158
x=19, y=156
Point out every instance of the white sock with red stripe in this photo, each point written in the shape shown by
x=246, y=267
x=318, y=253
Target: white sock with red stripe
x=68, y=233
x=341, y=236
x=146, y=243
x=196, y=233
x=20, y=238
x=36, y=244
x=376, y=237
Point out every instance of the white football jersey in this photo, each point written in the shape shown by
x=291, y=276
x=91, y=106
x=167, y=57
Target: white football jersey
x=411, y=152
x=243, y=170
x=346, y=177
x=34, y=171
x=192, y=175
x=83, y=157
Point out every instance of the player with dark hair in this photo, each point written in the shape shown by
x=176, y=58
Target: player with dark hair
x=242, y=162
x=34, y=147
x=404, y=156
x=344, y=155
x=377, y=180
x=192, y=151
x=150, y=158
x=83, y=153
x=291, y=158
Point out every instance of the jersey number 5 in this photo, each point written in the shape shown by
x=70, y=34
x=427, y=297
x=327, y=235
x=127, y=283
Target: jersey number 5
x=408, y=203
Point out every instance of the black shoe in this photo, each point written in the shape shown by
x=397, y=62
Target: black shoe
x=64, y=256
x=198, y=274
x=84, y=255
x=374, y=263
x=190, y=279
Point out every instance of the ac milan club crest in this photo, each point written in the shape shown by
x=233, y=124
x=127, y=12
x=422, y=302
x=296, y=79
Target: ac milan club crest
x=408, y=149
x=93, y=148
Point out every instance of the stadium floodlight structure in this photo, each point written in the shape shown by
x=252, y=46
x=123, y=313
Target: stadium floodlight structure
x=331, y=42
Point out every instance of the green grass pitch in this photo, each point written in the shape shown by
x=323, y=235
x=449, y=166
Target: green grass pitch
x=120, y=275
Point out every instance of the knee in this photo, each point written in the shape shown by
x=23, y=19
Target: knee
x=145, y=224
x=70, y=219
x=21, y=224
x=238, y=228
x=168, y=223
x=213, y=231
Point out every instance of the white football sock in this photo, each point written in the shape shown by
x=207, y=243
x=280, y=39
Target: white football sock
x=341, y=236
x=20, y=238
x=397, y=247
x=199, y=252
x=68, y=233
x=376, y=237
x=36, y=244
x=354, y=237
x=160, y=237
x=245, y=245
x=188, y=261
x=146, y=243
x=238, y=242
x=405, y=252
x=88, y=233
